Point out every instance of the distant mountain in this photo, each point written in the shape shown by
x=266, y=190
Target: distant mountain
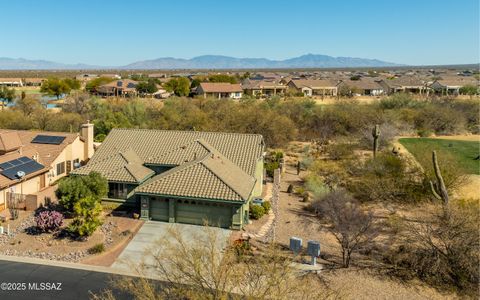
x=27, y=64
x=205, y=62
x=226, y=62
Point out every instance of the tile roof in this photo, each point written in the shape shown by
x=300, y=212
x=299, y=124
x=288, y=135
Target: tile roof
x=9, y=141
x=211, y=176
x=220, y=87
x=313, y=83
x=123, y=166
x=364, y=84
x=47, y=152
x=213, y=165
x=153, y=146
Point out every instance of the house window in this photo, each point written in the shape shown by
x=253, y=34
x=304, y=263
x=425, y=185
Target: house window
x=60, y=168
x=117, y=190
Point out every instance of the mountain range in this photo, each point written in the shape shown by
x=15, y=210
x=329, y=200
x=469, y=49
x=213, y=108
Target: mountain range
x=205, y=62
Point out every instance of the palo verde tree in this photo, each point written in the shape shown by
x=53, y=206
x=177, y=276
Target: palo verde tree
x=57, y=87
x=6, y=95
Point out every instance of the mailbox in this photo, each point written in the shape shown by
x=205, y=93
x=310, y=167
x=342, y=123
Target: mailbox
x=295, y=244
x=313, y=248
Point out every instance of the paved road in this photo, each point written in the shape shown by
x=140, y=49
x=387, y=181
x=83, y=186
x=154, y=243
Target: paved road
x=75, y=284
x=140, y=249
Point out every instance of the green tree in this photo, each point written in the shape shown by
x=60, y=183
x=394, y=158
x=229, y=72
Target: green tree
x=93, y=84
x=86, y=213
x=469, y=89
x=180, y=86
x=72, y=83
x=147, y=87
x=222, y=78
x=55, y=87
x=6, y=95
x=72, y=189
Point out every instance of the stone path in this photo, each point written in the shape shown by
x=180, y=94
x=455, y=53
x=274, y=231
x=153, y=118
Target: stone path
x=266, y=229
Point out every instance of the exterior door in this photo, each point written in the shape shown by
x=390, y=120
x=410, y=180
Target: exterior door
x=159, y=209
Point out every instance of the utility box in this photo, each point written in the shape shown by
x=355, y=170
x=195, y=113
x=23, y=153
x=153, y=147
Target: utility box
x=313, y=248
x=295, y=244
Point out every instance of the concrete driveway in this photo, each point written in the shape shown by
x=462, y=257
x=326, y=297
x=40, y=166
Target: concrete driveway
x=140, y=248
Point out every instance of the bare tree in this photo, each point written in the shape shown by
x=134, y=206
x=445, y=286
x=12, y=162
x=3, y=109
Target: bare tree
x=200, y=269
x=443, y=251
x=78, y=102
x=352, y=227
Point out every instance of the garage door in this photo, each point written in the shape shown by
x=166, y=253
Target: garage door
x=159, y=209
x=197, y=212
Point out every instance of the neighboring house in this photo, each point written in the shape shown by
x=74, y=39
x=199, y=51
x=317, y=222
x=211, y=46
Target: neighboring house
x=32, y=161
x=11, y=82
x=182, y=176
x=161, y=93
x=452, y=86
x=118, y=88
x=362, y=87
x=33, y=81
x=219, y=90
x=405, y=84
x=314, y=87
x=263, y=88
x=86, y=77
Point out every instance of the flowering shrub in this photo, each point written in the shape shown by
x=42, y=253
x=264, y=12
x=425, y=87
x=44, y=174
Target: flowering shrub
x=48, y=221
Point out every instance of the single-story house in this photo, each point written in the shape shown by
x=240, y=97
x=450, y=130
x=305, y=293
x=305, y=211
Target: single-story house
x=452, y=86
x=219, y=90
x=86, y=77
x=362, y=87
x=314, y=87
x=182, y=176
x=33, y=81
x=32, y=161
x=11, y=82
x=263, y=87
x=405, y=84
x=123, y=88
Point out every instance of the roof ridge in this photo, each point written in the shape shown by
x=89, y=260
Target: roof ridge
x=222, y=180
x=186, y=131
x=221, y=156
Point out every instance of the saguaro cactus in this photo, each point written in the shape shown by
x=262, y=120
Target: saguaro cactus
x=375, y=135
x=438, y=188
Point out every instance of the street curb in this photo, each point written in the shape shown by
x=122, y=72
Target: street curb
x=77, y=266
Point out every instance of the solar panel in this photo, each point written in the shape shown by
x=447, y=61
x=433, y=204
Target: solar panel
x=48, y=139
x=27, y=165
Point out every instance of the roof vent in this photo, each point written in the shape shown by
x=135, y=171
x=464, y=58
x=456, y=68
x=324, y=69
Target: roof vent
x=20, y=174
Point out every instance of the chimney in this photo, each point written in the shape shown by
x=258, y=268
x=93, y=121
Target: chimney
x=87, y=134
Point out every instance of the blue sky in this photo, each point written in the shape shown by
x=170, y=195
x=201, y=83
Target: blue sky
x=120, y=32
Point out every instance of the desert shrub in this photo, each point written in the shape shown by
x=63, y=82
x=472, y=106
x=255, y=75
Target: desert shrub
x=86, y=213
x=266, y=206
x=98, y=248
x=442, y=251
x=441, y=119
x=316, y=186
x=49, y=221
x=256, y=211
x=425, y=132
x=400, y=100
x=385, y=178
x=338, y=151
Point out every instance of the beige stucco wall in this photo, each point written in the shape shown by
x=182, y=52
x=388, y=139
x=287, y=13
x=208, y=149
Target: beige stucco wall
x=257, y=190
x=73, y=151
x=30, y=186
